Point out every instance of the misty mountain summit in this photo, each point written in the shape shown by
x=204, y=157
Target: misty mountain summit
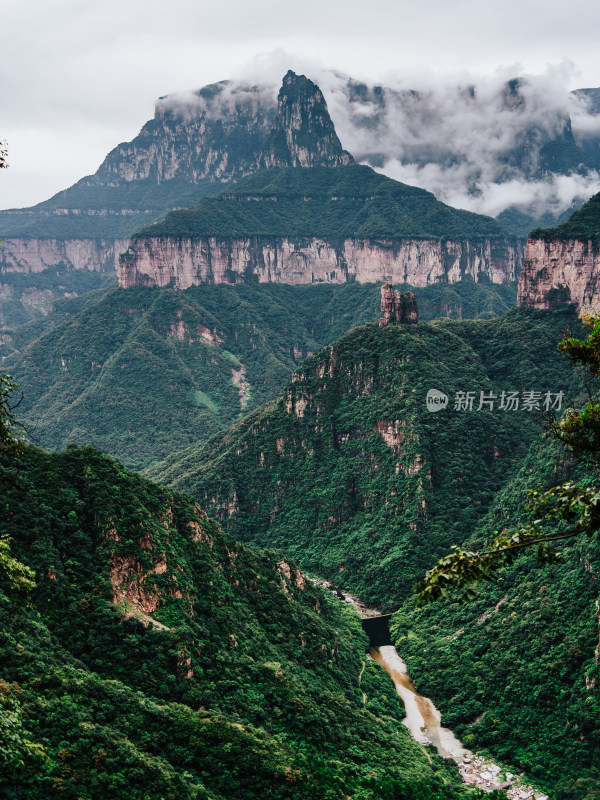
x=304, y=135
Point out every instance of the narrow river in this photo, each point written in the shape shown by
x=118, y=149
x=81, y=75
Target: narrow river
x=423, y=720
x=424, y=723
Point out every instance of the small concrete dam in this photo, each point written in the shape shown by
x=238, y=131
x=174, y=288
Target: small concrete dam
x=378, y=630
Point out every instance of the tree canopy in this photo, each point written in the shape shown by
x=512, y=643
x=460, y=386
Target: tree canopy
x=559, y=513
x=18, y=576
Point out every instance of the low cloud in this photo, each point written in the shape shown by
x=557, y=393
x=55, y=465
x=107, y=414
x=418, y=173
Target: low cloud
x=473, y=141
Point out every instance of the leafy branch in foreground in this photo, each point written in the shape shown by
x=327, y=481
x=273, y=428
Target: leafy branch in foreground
x=20, y=577
x=576, y=510
x=17, y=750
x=580, y=430
x=570, y=509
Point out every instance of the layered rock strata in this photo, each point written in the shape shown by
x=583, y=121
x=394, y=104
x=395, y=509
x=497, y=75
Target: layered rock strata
x=397, y=308
x=35, y=255
x=304, y=135
x=218, y=135
x=189, y=262
x=558, y=272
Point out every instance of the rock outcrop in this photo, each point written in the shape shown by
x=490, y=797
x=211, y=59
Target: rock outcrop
x=226, y=131
x=304, y=135
x=420, y=262
x=35, y=255
x=198, y=141
x=218, y=135
x=397, y=308
x=560, y=272
x=562, y=264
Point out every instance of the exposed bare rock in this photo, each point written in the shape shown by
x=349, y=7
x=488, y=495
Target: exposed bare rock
x=40, y=300
x=36, y=255
x=392, y=433
x=238, y=377
x=186, y=262
x=397, y=307
x=197, y=137
x=290, y=577
x=304, y=135
x=560, y=272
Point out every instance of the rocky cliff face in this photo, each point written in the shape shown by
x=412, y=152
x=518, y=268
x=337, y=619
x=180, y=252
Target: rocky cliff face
x=35, y=255
x=216, y=133
x=560, y=272
x=222, y=132
x=397, y=308
x=190, y=262
x=193, y=145
x=190, y=147
x=227, y=132
x=304, y=135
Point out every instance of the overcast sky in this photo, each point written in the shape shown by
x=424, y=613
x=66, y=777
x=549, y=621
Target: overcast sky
x=80, y=76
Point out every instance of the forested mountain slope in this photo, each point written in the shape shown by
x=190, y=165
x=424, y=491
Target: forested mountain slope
x=341, y=202
x=322, y=224
x=517, y=670
x=161, y=660
x=143, y=372
x=352, y=476
x=583, y=224
x=24, y=298
x=350, y=472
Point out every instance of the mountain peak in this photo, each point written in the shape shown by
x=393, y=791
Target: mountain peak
x=304, y=135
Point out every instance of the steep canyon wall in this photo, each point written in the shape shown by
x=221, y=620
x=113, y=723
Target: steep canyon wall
x=556, y=272
x=188, y=262
x=28, y=256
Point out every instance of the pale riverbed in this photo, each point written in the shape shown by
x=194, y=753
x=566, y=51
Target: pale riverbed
x=423, y=720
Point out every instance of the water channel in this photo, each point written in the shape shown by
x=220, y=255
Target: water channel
x=423, y=720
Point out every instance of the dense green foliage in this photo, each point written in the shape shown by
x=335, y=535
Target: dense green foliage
x=350, y=472
x=516, y=670
x=520, y=223
x=8, y=419
x=583, y=224
x=562, y=512
x=25, y=297
x=145, y=372
x=16, y=575
x=163, y=661
x=14, y=339
x=125, y=207
x=332, y=202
